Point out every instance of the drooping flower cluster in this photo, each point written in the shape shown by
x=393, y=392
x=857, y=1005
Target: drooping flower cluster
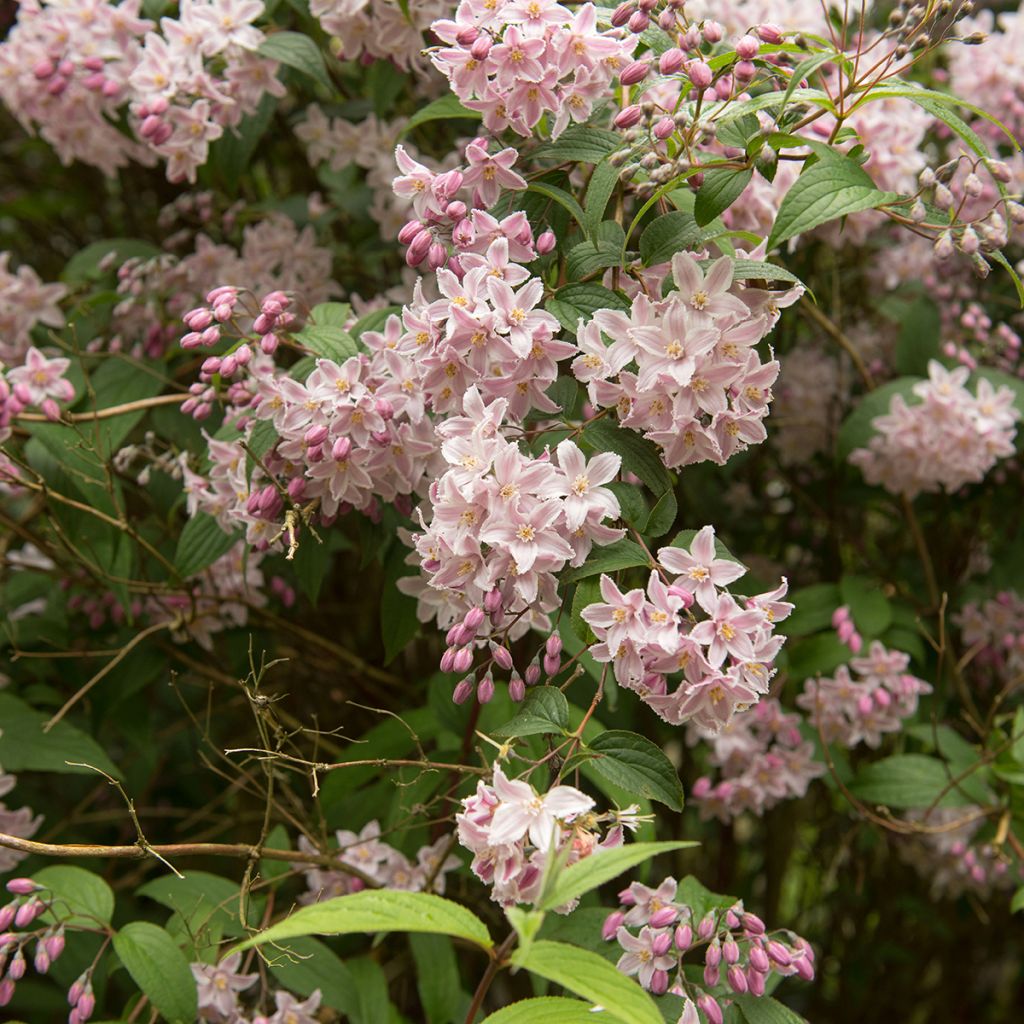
x=30, y=902
x=25, y=302
x=689, y=669
x=862, y=707
x=370, y=30
x=658, y=929
x=948, y=853
x=218, y=986
x=500, y=525
x=763, y=759
x=373, y=862
x=517, y=61
x=806, y=403
x=994, y=632
x=70, y=70
x=700, y=390
x=948, y=439
x=21, y=822
x=513, y=832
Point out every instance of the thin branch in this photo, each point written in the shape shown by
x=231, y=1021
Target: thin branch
x=104, y=414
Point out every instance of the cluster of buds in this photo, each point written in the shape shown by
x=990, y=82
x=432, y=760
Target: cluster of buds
x=21, y=912
x=979, y=216
x=916, y=27
x=462, y=640
x=846, y=629
x=55, y=76
x=738, y=952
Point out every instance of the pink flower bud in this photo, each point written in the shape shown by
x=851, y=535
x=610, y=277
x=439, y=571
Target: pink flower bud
x=611, y=925
x=667, y=20
x=485, y=689
x=211, y=335
x=553, y=644
x=86, y=1004
x=856, y=643
x=711, y=1009
x=51, y=410
x=635, y=71
x=6, y=991
x=840, y=615
x=76, y=990
x=755, y=982
x=629, y=116
x=804, y=968
x=699, y=73
x=17, y=967
x=747, y=47
x=481, y=48
x=463, y=691
x=770, y=33
x=664, y=129
x=340, y=449
x=683, y=937
x=752, y=924
x=269, y=343
x=552, y=663
x=546, y=242
x=516, y=688
x=316, y=434
x=659, y=982
x=713, y=954
x=662, y=918
x=43, y=69
x=447, y=659
x=638, y=22
x=621, y=15
x=744, y=71
x=28, y=912
x=671, y=61
x=419, y=247
x=41, y=961
x=502, y=656
x=456, y=211
x=627, y=897
x=532, y=674
x=463, y=659
x=409, y=231
x=778, y=953
x=467, y=36
x=56, y=86
x=713, y=32
x=736, y=979
x=437, y=256
x=474, y=618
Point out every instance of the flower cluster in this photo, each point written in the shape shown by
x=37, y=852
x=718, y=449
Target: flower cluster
x=218, y=987
x=30, y=902
x=517, y=61
x=22, y=822
x=851, y=711
x=24, y=302
x=994, y=630
x=71, y=68
x=513, y=832
x=700, y=390
x=371, y=30
x=658, y=928
x=369, y=861
x=500, y=525
x=723, y=662
x=38, y=381
x=948, y=439
x=806, y=402
x=763, y=759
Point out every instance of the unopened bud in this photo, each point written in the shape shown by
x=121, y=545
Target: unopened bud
x=699, y=73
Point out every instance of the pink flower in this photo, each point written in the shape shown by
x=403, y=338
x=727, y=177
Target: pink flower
x=522, y=812
x=699, y=569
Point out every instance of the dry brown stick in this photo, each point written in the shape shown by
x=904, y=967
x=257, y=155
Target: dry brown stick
x=105, y=414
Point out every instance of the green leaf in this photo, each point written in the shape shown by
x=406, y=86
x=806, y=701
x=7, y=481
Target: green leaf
x=24, y=747
x=443, y=109
x=437, y=977
x=765, y=1010
x=371, y=992
x=330, y=314
x=622, y=554
x=637, y=765
x=328, y=342
x=159, y=968
x=560, y=196
x=232, y=153
x=592, y=977
x=920, y=328
x=398, y=619
x=720, y=189
x=1017, y=903
x=907, y=780
x=200, y=544
x=824, y=192
x=602, y=867
x=601, y=188
x=200, y=898
x=378, y=910
x=587, y=592
x=589, y=257
x=546, y=1010
x=581, y=300
x=85, y=264
x=663, y=515
x=700, y=899
x=80, y=898
x=813, y=609
x=639, y=455
x=308, y=965
x=299, y=52
x=999, y=258
x=757, y=270
x=580, y=143
x=870, y=608
x=669, y=234
x=804, y=70
x=545, y=710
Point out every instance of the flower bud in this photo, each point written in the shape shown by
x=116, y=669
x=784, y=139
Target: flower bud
x=683, y=937
x=473, y=618
x=778, y=953
x=671, y=61
x=492, y=601
x=16, y=968
x=635, y=71
x=662, y=918
x=713, y=32
x=546, y=242
x=944, y=247
x=756, y=982
x=711, y=1009
x=736, y=979
x=638, y=22
x=502, y=656
x=629, y=116
x=464, y=690
x=467, y=36
x=744, y=71
x=552, y=663
x=532, y=674
x=752, y=924
x=999, y=170
x=659, y=982
x=699, y=73
x=516, y=688
x=770, y=33
x=713, y=954
x=41, y=961
x=408, y=232
x=611, y=924
x=340, y=449
x=485, y=690
x=706, y=928
x=447, y=659
x=437, y=256
x=28, y=912
x=481, y=48
x=7, y=915
x=463, y=659
x=747, y=47
x=620, y=15
x=6, y=991
x=943, y=197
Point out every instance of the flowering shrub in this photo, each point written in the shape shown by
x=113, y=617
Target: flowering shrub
x=386, y=387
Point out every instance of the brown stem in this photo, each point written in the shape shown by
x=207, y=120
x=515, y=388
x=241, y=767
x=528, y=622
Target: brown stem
x=105, y=414
x=496, y=963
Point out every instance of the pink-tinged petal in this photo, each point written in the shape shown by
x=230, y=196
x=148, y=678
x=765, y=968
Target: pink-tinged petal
x=676, y=560
x=603, y=468
x=571, y=460
x=630, y=942
x=510, y=823
x=703, y=546
x=686, y=274
x=609, y=591
x=511, y=789
x=719, y=276
x=565, y=802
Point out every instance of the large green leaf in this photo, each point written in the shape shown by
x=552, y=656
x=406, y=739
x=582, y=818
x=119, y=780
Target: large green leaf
x=765, y=1010
x=826, y=191
x=592, y=977
x=201, y=898
x=80, y=898
x=870, y=608
x=580, y=300
x=546, y=1010
x=907, y=780
x=637, y=765
x=639, y=455
x=308, y=965
x=299, y=52
x=602, y=184
x=378, y=910
x=580, y=143
x=720, y=189
x=437, y=977
x=160, y=969
x=622, y=554
x=669, y=234
x=444, y=109
x=545, y=710
x=600, y=867
x=24, y=747
x=200, y=544
x=589, y=257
